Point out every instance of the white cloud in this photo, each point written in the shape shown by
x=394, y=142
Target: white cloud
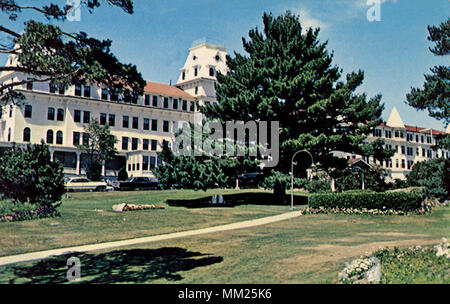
x=307, y=20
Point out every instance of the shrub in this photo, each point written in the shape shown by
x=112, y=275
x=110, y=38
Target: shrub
x=433, y=175
x=30, y=176
x=382, y=201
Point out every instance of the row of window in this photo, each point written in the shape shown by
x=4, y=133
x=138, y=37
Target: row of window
x=85, y=91
x=147, y=144
x=50, y=138
x=212, y=73
x=399, y=134
x=148, y=163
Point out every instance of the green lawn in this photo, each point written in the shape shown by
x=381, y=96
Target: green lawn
x=307, y=249
x=87, y=218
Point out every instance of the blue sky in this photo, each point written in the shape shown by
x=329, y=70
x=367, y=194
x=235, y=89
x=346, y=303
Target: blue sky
x=393, y=52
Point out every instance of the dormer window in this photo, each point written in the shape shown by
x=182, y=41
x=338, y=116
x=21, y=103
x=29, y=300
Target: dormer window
x=196, y=72
x=211, y=72
x=183, y=75
x=217, y=57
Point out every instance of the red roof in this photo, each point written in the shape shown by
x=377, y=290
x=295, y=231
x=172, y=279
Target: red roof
x=166, y=90
x=418, y=129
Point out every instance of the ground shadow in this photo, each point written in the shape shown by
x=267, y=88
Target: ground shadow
x=121, y=266
x=232, y=200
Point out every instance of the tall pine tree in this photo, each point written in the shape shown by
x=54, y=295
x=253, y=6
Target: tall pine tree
x=288, y=76
x=434, y=97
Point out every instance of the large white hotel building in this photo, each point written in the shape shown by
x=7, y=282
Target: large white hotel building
x=141, y=125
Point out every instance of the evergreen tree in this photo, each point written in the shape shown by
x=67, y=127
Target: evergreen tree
x=45, y=53
x=434, y=97
x=288, y=76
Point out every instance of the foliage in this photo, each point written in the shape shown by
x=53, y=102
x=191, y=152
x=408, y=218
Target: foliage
x=44, y=52
x=351, y=179
x=99, y=148
x=23, y=212
x=382, y=201
x=288, y=76
x=29, y=175
x=415, y=265
x=434, y=97
x=433, y=175
x=278, y=179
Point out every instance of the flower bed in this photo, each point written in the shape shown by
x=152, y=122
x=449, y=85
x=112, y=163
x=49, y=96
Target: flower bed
x=132, y=207
x=415, y=265
x=40, y=212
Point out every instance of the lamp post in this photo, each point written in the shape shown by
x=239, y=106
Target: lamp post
x=292, y=174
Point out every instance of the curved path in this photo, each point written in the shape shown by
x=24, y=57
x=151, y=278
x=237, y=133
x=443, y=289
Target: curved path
x=56, y=252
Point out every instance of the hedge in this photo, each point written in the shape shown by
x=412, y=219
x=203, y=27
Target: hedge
x=382, y=201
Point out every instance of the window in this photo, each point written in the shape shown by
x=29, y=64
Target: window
x=76, y=138
x=192, y=106
x=59, y=138
x=85, y=139
x=124, y=143
x=166, y=102
x=166, y=126
x=51, y=114
x=78, y=90
x=112, y=120
x=86, y=117
x=77, y=116
x=403, y=149
x=103, y=117
x=26, y=135
x=403, y=164
x=147, y=100
x=152, y=162
x=175, y=104
x=60, y=115
x=134, y=144
x=125, y=122
x=28, y=111
x=184, y=105
x=49, y=137
x=11, y=109
x=196, y=90
x=105, y=94
x=428, y=140
x=129, y=167
x=145, y=144
x=417, y=138
x=61, y=91
x=87, y=91
x=146, y=124
x=211, y=72
x=154, y=145
x=423, y=152
x=51, y=88
x=145, y=163
x=396, y=134
x=135, y=123
x=196, y=72
x=154, y=125
x=183, y=75
x=155, y=101
x=30, y=85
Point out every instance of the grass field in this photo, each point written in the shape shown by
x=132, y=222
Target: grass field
x=87, y=218
x=307, y=249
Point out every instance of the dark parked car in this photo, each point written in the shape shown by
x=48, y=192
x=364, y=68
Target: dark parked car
x=141, y=183
x=250, y=180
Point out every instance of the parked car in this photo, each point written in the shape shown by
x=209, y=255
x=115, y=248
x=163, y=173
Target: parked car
x=250, y=180
x=142, y=183
x=84, y=184
x=113, y=182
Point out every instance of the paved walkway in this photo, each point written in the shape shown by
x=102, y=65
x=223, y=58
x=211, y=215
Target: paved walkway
x=56, y=252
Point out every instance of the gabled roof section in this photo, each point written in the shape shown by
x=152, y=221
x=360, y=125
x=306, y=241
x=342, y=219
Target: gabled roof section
x=395, y=120
x=156, y=88
x=358, y=162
